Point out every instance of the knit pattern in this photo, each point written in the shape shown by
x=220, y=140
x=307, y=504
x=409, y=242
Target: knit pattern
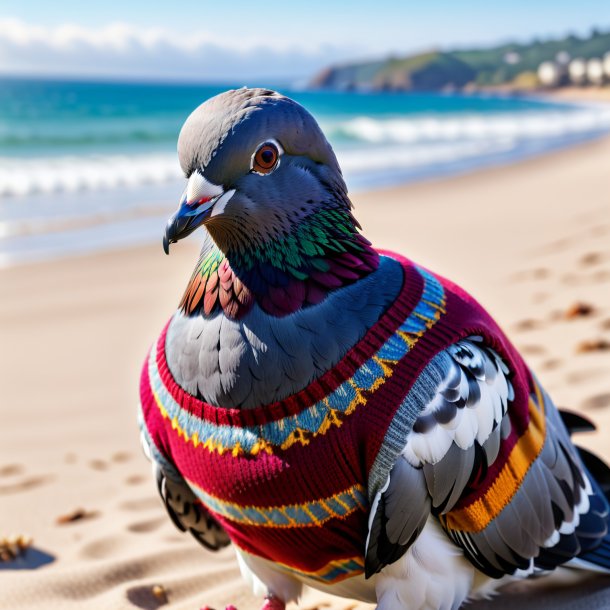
x=290, y=515
x=300, y=473
x=314, y=420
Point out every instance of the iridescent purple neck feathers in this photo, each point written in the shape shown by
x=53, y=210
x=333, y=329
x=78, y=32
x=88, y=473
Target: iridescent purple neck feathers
x=320, y=254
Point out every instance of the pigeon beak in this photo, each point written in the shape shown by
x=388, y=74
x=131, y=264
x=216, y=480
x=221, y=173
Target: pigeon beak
x=197, y=202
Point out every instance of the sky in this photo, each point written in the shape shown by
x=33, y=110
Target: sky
x=231, y=40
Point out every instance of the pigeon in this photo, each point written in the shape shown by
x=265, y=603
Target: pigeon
x=345, y=418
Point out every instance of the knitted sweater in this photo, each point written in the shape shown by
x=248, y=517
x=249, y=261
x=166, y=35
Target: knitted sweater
x=292, y=481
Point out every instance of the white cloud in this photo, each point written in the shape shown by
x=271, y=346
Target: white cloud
x=123, y=49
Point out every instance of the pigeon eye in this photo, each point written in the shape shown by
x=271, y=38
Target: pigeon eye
x=265, y=158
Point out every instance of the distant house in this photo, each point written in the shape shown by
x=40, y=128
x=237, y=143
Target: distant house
x=595, y=71
x=607, y=64
x=577, y=71
x=512, y=58
x=550, y=74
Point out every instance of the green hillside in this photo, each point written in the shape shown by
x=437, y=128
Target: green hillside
x=481, y=67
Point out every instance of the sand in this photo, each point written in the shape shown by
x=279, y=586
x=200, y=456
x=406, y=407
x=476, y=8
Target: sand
x=530, y=241
x=580, y=94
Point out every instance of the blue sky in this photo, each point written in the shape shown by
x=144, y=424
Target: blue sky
x=206, y=40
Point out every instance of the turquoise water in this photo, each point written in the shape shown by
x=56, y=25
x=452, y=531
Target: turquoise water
x=56, y=118
x=87, y=165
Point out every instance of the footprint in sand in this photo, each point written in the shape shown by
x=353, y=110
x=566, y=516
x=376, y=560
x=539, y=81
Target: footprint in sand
x=591, y=258
x=585, y=375
x=540, y=273
x=600, y=230
x=558, y=245
x=143, y=527
x=527, y=324
x=102, y=548
x=599, y=401
x=572, y=279
x=550, y=364
x=150, y=502
x=25, y=484
x=121, y=456
x=136, y=479
x=540, y=297
x=10, y=470
x=601, y=276
x=98, y=464
x=532, y=350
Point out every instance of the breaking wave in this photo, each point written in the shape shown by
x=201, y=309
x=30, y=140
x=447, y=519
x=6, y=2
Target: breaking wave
x=548, y=124
x=56, y=204
x=69, y=174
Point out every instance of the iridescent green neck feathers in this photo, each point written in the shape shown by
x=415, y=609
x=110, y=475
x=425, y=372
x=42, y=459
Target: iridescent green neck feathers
x=296, y=268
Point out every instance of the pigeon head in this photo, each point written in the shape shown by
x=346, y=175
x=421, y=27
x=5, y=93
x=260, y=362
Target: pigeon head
x=266, y=188
x=256, y=163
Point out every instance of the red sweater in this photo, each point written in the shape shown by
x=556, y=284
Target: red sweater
x=291, y=481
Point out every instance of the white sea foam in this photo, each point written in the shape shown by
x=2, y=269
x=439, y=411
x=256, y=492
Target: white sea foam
x=69, y=174
x=378, y=158
x=56, y=206
x=395, y=142
x=548, y=124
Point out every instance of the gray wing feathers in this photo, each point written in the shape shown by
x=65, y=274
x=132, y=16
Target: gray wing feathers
x=459, y=426
x=456, y=437
x=406, y=504
x=398, y=514
x=470, y=399
x=187, y=513
x=547, y=518
x=185, y=510
x=445, y=485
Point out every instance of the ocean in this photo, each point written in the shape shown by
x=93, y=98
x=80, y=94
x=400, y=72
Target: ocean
x=91, y=165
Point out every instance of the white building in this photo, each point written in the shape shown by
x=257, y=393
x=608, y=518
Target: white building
x=577, y=71
x=512, y=58
x=595, y=71
x=550, y=74
x=607, y=64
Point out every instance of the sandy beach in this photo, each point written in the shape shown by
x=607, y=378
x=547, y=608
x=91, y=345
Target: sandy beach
x=531, y=241
x=581, y=94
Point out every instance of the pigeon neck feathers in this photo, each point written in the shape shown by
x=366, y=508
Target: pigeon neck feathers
x=297, y=268
x=282, y=236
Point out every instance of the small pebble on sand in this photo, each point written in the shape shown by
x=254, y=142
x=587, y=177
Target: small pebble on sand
x=579, y=310
x=13, y=546
x=592, y=345
x=77, y=514
x=160, y=593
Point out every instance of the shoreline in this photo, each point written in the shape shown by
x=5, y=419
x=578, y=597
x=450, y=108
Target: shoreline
x=157, y=214
x=578, y=94
x=103, y=232
x=118, y=216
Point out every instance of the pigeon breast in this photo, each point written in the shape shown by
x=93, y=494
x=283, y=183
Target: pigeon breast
x=260, y=358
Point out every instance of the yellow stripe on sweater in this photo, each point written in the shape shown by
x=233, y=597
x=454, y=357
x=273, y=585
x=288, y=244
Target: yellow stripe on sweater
x=478, y=515
x=307, y=514
x=332, y=572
